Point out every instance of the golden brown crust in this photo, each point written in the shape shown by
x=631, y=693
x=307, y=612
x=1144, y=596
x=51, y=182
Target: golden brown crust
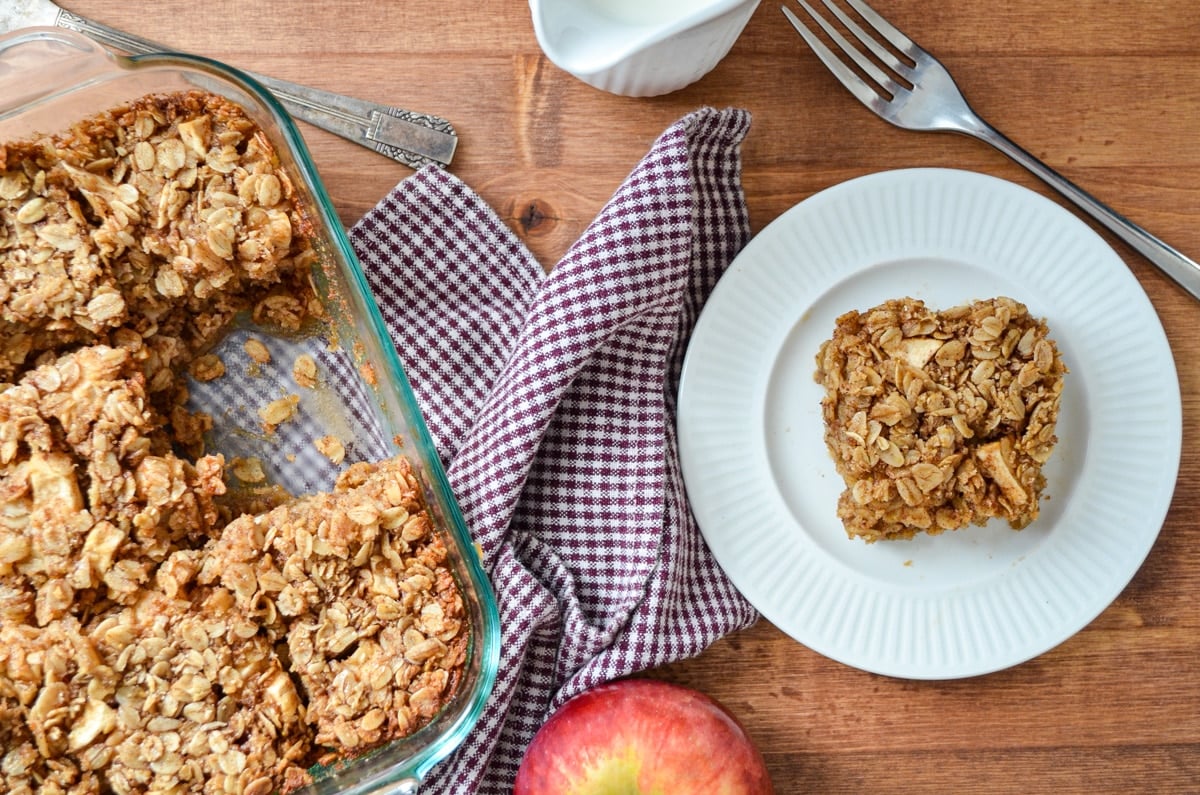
x=148, y=227
x=939, y=420
x=91, y=498
x=356, y=584
x=147, y=642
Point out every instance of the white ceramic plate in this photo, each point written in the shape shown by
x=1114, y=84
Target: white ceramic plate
x=764, y=489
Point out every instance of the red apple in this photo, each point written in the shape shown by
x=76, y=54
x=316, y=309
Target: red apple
x=642, y=737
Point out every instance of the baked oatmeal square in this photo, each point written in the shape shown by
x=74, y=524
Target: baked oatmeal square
x=938, y=420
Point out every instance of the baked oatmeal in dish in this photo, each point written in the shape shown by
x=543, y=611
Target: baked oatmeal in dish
x=157, y=633
x=939, y=420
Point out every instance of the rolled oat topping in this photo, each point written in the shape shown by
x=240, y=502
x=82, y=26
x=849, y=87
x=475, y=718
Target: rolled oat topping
x=939, y=420
x=161, y=219
x=152, y=639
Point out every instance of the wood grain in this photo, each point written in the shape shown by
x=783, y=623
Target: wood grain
x=1106, y=92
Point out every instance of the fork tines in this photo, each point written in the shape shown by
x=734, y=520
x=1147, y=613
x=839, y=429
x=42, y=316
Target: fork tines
x=885, y=80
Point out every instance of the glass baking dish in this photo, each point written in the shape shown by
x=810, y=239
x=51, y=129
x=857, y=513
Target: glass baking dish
x=51, y=78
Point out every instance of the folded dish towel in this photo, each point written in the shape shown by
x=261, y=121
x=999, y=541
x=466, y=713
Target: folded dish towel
x=551, y=398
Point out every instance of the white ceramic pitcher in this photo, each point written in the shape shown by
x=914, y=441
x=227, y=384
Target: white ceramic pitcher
x=639, y=48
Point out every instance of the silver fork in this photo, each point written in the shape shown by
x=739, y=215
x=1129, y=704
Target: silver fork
x=932, y=102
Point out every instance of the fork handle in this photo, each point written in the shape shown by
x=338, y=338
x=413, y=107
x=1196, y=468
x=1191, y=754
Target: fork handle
x=1185, y=272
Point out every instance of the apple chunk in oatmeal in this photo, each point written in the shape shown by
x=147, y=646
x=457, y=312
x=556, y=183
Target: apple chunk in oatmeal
x=939, y=420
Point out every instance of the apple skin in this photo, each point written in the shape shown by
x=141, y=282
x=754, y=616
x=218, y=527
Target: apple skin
x=642, y=737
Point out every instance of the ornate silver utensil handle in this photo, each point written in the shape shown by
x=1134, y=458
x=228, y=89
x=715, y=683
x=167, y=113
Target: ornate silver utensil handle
x=413, y=139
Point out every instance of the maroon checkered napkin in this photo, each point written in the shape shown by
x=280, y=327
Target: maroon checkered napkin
x=552, y=400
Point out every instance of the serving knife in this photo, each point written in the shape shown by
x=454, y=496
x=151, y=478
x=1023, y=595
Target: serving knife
x=414, y=139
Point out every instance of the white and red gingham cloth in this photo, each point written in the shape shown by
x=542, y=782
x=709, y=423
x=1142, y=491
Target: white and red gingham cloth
x=552, y=400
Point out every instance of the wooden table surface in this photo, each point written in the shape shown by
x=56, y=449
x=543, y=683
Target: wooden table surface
x=1106, y=91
